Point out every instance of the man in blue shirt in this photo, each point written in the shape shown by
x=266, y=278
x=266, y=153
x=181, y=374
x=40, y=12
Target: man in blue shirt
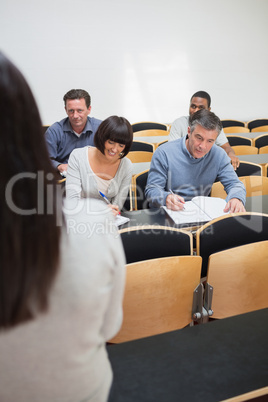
x=75, y=131
x=187, y=167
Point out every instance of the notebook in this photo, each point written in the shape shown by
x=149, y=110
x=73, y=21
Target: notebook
x=120, y=220
x=199, y=209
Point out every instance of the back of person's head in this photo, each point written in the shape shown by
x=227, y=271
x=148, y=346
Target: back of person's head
x=117, y=129
x=29, y=236
x=206, y=119
x=204, y=95
x=77, y=94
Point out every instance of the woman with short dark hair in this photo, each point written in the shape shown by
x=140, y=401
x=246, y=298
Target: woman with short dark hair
x=61, y=275
x=103, y=168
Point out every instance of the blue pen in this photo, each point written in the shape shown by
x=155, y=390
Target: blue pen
x=106, y=200
x=104, y=197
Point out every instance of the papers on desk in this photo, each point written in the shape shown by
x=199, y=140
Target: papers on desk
x=120, y=220
x=199, y=209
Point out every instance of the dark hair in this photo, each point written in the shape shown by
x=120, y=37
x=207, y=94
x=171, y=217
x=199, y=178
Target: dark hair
x=204, y=95
x=206, y=119
x=29, y=236
x=117, y=129
x=77, y=94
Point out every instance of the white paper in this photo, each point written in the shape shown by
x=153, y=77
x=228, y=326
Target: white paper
x=200, y=209
x=213, y=206
x=120, y=220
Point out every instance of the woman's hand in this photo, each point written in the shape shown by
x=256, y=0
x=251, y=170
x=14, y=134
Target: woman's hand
x=115, y=209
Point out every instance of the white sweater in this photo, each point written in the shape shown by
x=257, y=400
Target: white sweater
x=61, y=355
x=81, y=180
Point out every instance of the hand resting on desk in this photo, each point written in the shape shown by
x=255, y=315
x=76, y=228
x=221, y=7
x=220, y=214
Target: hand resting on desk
x=234, y=205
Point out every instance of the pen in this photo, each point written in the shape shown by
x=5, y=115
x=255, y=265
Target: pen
x=171, y=192
x=106, y=200
x=104, y=197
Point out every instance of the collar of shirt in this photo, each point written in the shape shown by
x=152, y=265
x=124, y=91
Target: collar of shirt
x=68, y=128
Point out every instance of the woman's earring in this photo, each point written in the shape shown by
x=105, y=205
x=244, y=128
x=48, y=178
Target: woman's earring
x=121, y=154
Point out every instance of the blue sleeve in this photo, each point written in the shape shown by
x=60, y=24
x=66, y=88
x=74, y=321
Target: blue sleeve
x=155, y=190
x=229, y=179
x=52, y=145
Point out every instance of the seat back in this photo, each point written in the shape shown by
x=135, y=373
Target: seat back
x=248, y=168
x=230, y=231
x=232, y=123
x=239, y=277
x=260, y=129
x=256, y=123
x=148, y=125
x=150, y=241
x=245, y=150
x=217, y=190
x=261, y=141
x=238, y=140
x=44, y=129
x=255, y=185
x=142, y=146
x=158, y=296
x=139, y=182
x=128, y=204
x=160, y=143
x=236, y=129
x=148, y=133
x=263, y=150
x=140, y=156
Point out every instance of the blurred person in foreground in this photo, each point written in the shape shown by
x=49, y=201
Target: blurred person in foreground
x=61, y=285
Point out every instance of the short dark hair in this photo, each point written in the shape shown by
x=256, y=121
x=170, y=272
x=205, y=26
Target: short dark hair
x=117, y=129
x=77, y=94
x=204, y=95
x=206, y=119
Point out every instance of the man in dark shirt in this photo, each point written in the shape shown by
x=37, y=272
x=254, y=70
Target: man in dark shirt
x=75, y=131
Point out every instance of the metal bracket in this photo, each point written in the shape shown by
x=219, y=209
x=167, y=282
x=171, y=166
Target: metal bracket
x=202, y=299
x=197, y=309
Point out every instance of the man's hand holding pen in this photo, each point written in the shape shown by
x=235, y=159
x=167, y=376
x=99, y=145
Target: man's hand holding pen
x=174, y=202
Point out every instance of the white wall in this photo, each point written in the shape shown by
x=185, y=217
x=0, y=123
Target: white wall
x=142, y=59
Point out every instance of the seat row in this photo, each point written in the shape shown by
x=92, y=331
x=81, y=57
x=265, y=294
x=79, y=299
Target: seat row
x=163, y=287
x=252, y=125
x=259, y=141
x=141, y=151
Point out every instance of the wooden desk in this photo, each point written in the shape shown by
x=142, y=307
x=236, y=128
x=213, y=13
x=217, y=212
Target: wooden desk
x=204, y=363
